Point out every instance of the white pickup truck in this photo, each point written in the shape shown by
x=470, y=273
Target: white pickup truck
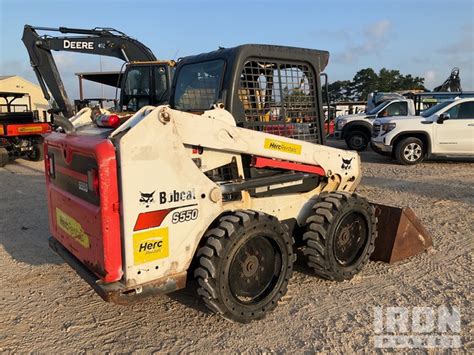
x=356, y=130
x=446, y=129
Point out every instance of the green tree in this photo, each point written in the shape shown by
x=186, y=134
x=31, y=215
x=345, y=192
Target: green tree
x=387, y=80
x=340, y=90
x=409, y=82
x=364, y=82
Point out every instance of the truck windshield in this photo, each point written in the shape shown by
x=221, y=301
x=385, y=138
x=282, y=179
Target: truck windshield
x=198, y=85
x=436, y=108
x=377, y=108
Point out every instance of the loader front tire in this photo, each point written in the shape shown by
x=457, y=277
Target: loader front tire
x=340, y=235
x=244, y=265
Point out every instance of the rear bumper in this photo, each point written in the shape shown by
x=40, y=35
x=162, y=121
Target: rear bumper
x=116, y=292
x=338, y=134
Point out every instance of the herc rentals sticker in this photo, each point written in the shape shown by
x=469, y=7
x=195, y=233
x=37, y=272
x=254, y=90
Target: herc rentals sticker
x=281, y=146
x=72, y=227
x=150, y=245
x=30, y=129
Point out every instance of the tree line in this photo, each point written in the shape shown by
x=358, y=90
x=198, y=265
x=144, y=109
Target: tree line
x=367, y=80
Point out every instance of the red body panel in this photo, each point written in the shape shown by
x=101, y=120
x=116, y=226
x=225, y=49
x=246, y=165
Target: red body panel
x=89, y=230
x=27, y=129
x=329, y=128
x=261, y=162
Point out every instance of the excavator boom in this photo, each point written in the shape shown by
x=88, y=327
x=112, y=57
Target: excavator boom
x=98, y=41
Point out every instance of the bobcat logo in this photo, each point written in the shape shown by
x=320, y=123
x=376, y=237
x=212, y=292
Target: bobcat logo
x=346, y=163
x=146, y=198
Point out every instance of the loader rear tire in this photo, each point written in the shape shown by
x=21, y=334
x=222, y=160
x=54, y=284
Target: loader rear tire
x=340, y=235
x=244, y=265
x=3, y=157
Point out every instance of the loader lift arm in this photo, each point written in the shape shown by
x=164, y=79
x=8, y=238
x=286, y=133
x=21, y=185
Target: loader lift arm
x=98, y=41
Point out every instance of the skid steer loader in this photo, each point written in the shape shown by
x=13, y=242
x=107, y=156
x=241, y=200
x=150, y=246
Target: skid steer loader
x=216, y=185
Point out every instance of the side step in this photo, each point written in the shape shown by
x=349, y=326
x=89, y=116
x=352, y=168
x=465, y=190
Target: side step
x=400, y=234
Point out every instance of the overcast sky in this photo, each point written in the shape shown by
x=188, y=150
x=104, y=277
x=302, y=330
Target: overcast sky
x=421, y=37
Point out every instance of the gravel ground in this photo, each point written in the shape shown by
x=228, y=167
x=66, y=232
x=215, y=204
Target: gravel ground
x=46, y=307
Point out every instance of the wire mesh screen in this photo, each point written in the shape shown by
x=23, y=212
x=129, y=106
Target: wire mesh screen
x=280, y=98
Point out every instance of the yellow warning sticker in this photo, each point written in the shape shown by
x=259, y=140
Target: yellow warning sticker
x=150, y=245
x=72, y=227
x=281, y=146
x=30, y=129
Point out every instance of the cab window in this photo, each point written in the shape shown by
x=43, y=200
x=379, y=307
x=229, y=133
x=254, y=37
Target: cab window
x=137, y=88
x=160, y=81
x=198, y=85
x=453, y=111
x=462, y=110
x=395, y=109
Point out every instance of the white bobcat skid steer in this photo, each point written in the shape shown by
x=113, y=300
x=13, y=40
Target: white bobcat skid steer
x=224, y=176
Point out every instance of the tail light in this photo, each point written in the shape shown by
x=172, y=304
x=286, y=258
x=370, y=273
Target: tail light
x=109, y=121
x=93, y=180
x=49, y=163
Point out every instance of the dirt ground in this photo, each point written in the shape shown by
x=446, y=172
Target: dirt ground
x=45, y=307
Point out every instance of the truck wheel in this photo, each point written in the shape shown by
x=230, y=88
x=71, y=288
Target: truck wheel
x=245, y=265
x=37, y=153
x=410, y=151
x=340, y=235
x=357, y=140
x=3, y=157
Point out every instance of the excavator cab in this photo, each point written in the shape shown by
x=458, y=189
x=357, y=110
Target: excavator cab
x=145, y=83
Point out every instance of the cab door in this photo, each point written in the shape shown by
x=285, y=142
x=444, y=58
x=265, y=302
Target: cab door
x=456, y=134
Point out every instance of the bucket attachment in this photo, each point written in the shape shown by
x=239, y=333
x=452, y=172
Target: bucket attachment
x=400, y=234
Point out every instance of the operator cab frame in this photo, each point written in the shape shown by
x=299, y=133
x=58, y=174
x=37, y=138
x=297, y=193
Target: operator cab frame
x=265, y=87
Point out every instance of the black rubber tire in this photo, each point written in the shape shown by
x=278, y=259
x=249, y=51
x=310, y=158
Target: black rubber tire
x=357, y=140
x=37, y=153
x=418, y=154
x=3, y=157
x=323, y=235
x=223, y=244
